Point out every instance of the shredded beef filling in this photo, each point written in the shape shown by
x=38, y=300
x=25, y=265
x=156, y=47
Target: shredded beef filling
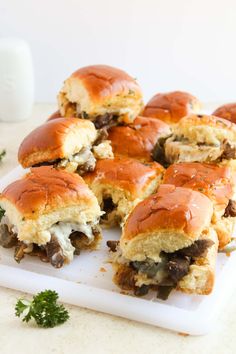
x=109, y=207
x=230, y=210
x=51, y=252
x=107, y=120
x=54, y=252
x=112, y=245
x=102, y=135
x=229, y=151
x=8, y=238
x=158, y=153
x=84, y=162
x=167, y=273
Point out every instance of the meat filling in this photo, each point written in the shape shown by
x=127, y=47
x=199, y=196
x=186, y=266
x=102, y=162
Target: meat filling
x=158, y=153
x=178, y=148
x=230, y=210
x=162, y=276
x=229, y=151
x=110, y=208
x=107, y=120
x=83, y=161
x=66, y=240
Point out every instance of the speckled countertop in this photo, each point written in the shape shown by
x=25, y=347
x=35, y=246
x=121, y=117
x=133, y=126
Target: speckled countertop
x=88, y=331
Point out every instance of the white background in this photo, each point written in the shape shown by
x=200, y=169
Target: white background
x=167, y=45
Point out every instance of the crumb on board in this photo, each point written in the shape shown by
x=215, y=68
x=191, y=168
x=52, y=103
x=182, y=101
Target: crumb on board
x=102, y=269
x=228, y=254
x=183, y=334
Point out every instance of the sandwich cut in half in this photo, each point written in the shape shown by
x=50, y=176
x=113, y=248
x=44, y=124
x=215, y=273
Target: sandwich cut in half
x=170, y=107
x=51, y=214
x=71, y=144
x=167, y=243
x=201, y=138
x=218, y=184
x=100, y=93
x=137, y=140
x=119, y=184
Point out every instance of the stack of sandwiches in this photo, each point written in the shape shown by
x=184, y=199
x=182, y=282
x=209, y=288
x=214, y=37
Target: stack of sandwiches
x=163, y=173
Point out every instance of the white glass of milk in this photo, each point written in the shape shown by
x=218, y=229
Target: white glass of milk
x=16, y=80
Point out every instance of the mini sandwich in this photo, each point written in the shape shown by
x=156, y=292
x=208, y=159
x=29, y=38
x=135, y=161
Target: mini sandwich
x=201, y=138
x=120, y=184
x=218, y=184
x=227, y=111
x=138, y=139
x=172, y=106
x=51, y=214
x=71, y=144
x=103, y=94
x=167, y=244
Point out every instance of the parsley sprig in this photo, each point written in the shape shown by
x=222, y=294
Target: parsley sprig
x=44, y=309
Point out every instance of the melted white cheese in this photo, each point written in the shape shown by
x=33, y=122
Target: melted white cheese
x=62, y=232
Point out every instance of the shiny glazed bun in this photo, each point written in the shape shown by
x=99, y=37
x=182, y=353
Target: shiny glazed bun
x=172, y=106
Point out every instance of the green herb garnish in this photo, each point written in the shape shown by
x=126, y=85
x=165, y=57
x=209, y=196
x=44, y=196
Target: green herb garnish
x=84, y=115
x=2, y=154
x=44, y=309
x=2, y=212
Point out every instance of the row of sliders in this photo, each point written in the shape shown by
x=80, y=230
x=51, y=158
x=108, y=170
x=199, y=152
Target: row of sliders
x=162, y=172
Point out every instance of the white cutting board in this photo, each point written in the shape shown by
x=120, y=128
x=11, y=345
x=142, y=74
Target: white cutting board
x=87, y=282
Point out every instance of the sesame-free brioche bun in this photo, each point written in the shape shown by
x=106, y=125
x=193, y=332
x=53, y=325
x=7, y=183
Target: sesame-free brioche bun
x=138, y=139
x=172, y=106
x=124, y=181
x=169, y=220
x=44, y=197
x=217, y=183
x=96, y=90
x=227, y=111
x=201, y=138
x=56, y=139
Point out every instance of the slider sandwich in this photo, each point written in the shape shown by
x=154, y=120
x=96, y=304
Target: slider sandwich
x=218, y=184
x=167, y=243
x=227, y=111
x=71, y=144
x=102, y=94
x=119, y=184
x=172, y=106
x=200, y=138
x=51, y=214
x=137, y=140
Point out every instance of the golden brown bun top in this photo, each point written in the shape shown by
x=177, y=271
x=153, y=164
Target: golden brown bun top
x=138, y=139
x=205, y=120
x=171, y=208
x=172, y=106
x=227, y=111
x=103, y=81
x=47, y=142
x=212, y=180
x=55, y=115
x=124, y=173
x=45, y=189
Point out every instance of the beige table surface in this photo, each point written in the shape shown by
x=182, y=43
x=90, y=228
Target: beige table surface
x=89, y=331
